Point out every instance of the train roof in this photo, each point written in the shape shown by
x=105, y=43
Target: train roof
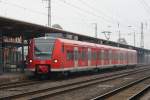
x=76, y=42
x=67, y=41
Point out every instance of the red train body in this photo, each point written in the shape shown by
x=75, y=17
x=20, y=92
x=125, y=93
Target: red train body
x=59, y=55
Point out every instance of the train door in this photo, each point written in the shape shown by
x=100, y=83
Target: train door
x=119, y=61
x=102, y=57
x=113, y=57
x=99, y=57
x=69, y=63
x=110, y=57
x=89, y=57
x=75, y=56
x=106, y=56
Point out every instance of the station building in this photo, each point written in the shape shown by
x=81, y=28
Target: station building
x=10, y=53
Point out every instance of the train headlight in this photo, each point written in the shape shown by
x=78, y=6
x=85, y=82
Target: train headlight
x=55, y=60
x=30, y=61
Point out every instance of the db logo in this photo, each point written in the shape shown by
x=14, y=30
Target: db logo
x=42, y=62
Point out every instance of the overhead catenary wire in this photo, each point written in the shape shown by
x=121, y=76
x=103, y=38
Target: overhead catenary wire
x=117, y=19
x=145, y=6
x=86, y=11
x=24, y=8
x=103, y=19
x=98, y=11
x=78, y=14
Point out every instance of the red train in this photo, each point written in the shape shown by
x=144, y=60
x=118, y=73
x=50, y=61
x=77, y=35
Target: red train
x=49, y=54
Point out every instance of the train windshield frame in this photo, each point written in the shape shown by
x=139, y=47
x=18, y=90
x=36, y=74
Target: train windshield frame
x=43, y=48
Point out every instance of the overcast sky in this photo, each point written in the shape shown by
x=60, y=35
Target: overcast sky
x=79, y=16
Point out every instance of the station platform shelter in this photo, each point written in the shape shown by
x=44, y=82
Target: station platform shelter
x=14, y=41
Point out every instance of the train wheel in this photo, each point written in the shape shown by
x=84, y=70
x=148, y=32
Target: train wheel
x=66, y=74
x=49, y=73
x=36, y=74
x=96, y=70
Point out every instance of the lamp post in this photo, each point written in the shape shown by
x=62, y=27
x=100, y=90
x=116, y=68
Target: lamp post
x=119, y=34
x=49, y=12
x=95, y=24
x=133, y=35
x=107, y=34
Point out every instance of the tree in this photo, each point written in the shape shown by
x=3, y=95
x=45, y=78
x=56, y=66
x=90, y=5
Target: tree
x=122, y=41
x=57, y=26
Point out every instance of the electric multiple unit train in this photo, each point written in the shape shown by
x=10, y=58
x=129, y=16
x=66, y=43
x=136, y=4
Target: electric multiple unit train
x=49, y=54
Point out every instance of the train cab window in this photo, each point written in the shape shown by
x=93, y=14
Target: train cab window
x=43, y=48
x=70, y=55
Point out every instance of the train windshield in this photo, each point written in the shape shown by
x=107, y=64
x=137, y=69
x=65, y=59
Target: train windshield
x=43, y=48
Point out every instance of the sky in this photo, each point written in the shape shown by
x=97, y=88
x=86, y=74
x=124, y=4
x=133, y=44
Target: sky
x=80, y=15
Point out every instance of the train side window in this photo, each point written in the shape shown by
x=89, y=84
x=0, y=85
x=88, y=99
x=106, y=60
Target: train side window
x=89, y=54
x=110, y=55
x=94, y=55
x=102, y=55
x=106, y=55
x=121, y=56
x=63, y=47
x=70, y=55
x=115, y=55
x=118, y=58
x=99, y=54
x=76, y=54
x=84, y=54
x=80, y=54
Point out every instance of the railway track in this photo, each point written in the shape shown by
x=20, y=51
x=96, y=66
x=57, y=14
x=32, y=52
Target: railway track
x=22, y=83
x=51, y=91
x=9, y=85
x=130, y=91
x=140, y=93
x=19, y=84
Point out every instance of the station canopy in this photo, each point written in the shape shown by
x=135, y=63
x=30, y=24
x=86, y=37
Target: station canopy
x=15, y=28
x=12, y=27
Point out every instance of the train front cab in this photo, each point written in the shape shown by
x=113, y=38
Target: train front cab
x=39, y=57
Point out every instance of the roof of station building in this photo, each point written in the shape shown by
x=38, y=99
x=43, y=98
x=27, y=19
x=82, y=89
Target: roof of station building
x=13, y=28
